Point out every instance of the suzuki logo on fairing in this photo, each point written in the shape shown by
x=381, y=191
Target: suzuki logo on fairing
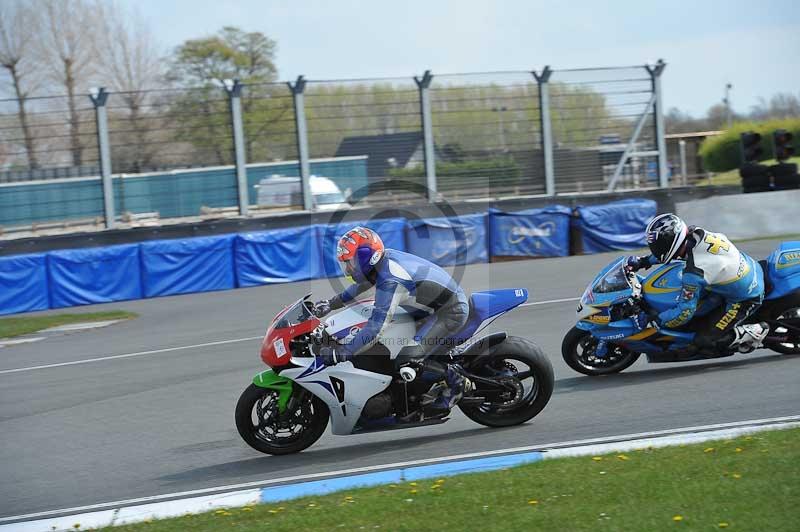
x=519, y=233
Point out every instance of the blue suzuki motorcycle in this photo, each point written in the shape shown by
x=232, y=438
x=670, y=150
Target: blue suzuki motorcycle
x=606, y=339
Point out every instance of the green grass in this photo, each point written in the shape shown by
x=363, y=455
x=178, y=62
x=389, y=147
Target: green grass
x=10, y=327
x=750, y=483
x=731, y=177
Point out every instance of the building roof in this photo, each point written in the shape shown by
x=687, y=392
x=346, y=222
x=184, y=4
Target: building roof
x=380, y=148
x=695, y=134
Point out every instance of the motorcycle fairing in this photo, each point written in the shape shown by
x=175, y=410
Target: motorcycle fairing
x=484, y=306
x=659, y=288
x=271, y=380
x=783, y=269
x=397, y=334
x=343, y=387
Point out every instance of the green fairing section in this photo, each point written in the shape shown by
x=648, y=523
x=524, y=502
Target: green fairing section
x=271, y=380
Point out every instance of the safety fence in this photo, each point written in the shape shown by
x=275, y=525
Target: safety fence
x=461, y=136
x=66, y=278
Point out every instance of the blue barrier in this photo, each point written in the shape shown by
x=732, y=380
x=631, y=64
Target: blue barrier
x=278, y=256
x=188, y=265
x=391, y=230
x=613, y=226
x=23, y=283
x=94, y=275
x=165, y=267
x=530, y=233
x=449, y=241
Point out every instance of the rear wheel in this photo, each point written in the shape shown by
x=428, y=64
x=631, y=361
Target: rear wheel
x=579, y=350
x=265, y=429
x=791, y=345
x=525, y=378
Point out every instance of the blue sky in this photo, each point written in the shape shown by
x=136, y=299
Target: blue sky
x=754, y=45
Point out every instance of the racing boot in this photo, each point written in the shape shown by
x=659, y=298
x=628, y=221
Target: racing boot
x=749, y=337
x=449, y=392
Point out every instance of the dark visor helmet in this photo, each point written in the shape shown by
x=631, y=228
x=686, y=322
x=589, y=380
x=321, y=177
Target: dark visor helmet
x=666, y=233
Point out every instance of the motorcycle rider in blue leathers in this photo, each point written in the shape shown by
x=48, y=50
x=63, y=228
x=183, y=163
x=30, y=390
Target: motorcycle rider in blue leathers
x=714, y=268
x=400, y=280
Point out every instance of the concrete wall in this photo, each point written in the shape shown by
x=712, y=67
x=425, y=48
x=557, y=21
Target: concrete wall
x=746, y=215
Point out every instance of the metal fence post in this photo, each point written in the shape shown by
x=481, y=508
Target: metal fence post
x=684, y=173
x=658, y=112
x=99, y=97
x=427, y=132
x=234, y=89
x=547, y=131
x=297, y=88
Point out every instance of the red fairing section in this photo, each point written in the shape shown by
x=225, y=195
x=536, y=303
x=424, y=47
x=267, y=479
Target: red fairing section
x=275, y=350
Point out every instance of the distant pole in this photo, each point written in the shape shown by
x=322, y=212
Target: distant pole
x=298, y=88
x=543, y=79
x=427, y=132
x=99, y=97
x=727, y=101
x=655, y=72
x=234, y=90
x=682, y=151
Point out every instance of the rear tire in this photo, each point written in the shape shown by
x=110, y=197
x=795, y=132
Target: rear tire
x=788, y=312
x=530, y=354
x=313, y=411
x=574, y=350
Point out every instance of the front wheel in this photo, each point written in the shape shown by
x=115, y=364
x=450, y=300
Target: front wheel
x=579, y=352
x=265, y=429
x=526, y=378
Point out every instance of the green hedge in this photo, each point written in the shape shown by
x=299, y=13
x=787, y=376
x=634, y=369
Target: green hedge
x=723, y=152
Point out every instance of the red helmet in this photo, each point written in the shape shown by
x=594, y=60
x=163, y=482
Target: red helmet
x=358, y=251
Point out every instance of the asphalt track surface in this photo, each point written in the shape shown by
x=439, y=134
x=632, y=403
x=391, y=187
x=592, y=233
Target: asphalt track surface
x=162, y=422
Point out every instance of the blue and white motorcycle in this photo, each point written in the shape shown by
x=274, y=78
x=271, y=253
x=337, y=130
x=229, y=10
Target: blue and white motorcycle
x=606, y=340
x=287, y=407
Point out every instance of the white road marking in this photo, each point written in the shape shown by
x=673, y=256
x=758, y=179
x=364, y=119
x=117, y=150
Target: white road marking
x=549, y=301
x=169, y=349
x=549, y=447
x=129, y=355
x=82, y=326
x=18, y=341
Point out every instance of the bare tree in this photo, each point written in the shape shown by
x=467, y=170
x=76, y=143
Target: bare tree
x=67, y=51
x=130, y=64
x=18, y=26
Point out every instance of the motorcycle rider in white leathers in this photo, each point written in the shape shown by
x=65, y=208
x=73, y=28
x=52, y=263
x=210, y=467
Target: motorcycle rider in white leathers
x=714, y=268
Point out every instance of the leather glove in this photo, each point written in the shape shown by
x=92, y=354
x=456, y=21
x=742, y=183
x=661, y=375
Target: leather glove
x=633, y=263
x=321, y=308
x=329, y=355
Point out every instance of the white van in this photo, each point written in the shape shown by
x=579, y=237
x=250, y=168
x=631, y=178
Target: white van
x=282, y=191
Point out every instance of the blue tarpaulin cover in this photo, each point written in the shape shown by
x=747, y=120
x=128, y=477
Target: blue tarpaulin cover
x=449, y=241
x=278, y=256
x=187, y=265
x=391, y=231
x=530, y=233
x=94, y=275
x=613, y=226
x=23, y=283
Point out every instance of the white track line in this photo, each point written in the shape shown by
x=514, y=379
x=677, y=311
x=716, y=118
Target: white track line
x=222, y=342
x=129, y=355
x=549, y=301
x=19, y=341
x=411, y=463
